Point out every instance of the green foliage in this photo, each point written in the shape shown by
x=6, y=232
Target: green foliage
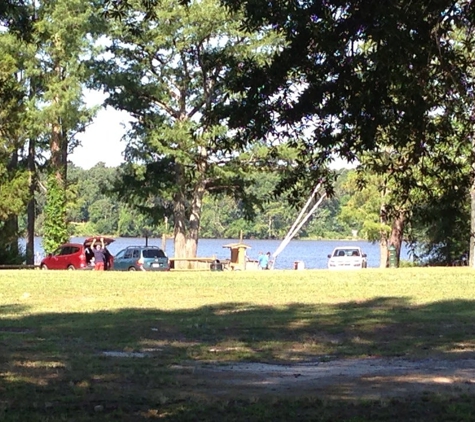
x=389, y=85
x=440, y=234
x=14, y=15
x=13, y=177
x=55, y=226
x=361, y=210
x=13, y=191
x=10, y=253
x=64, y=30
x=103, y=215
x=43, y=45
x=82, y=229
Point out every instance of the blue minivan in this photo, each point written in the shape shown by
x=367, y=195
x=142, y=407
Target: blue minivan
x=141, y=258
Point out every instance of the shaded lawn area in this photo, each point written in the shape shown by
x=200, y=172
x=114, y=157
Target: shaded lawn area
x=55, y=329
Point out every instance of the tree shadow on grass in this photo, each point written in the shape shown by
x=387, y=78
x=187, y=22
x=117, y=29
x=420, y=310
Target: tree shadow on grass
x=132, y=363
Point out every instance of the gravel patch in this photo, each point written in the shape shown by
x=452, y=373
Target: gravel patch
x=370, y=378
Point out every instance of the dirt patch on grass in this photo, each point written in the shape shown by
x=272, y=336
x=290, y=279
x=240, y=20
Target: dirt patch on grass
x=368, y=378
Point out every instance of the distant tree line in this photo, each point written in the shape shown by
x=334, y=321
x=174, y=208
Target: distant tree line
x=94, y=208
x=436, y=234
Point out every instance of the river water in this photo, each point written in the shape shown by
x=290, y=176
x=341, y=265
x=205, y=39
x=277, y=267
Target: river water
x=313, y=253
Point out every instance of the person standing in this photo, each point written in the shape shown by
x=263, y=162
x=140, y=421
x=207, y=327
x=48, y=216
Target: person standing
x=268, y=261
x=99, y=255
x=263, y=261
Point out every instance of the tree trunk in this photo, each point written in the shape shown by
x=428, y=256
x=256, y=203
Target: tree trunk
x=383, y=252
x=11, y=232
x=397, y=233
x=472, y=223
x=59, y=143
x=471, y=253
x=179, y=214
x=57, y=153
x=197, y=205
x=383, y=241
x=31, y=208
x=55, y=224
x=179, y=228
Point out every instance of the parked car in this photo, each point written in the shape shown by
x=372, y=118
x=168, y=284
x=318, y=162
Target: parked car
x=76, y=256
x=347, y=257
x=141, y=258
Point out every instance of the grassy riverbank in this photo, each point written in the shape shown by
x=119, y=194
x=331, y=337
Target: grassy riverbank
x=106, y=346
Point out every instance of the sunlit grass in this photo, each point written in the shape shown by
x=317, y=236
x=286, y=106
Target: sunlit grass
x=39, y=291
x=266, y=312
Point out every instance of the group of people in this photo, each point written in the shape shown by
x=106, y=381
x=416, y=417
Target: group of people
x=263, y=261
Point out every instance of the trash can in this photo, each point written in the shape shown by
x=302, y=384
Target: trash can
x=216, y=266
x=299, y=265
x=392, y=256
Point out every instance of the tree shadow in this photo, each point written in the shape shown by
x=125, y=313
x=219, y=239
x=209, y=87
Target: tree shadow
x=135, y=361
x=12, y=309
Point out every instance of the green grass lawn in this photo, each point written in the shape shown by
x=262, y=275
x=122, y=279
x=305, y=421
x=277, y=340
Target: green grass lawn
x=56, y=329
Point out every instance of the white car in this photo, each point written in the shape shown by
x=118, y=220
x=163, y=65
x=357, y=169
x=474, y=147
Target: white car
x=347, y=257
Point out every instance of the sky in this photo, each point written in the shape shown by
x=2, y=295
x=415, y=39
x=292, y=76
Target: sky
x=101, y=141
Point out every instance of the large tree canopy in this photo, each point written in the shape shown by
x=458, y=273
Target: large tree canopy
x=353, y=74
x=388, y=83
x=166, y=66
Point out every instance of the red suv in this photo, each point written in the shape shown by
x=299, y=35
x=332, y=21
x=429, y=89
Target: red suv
x=76, y=256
